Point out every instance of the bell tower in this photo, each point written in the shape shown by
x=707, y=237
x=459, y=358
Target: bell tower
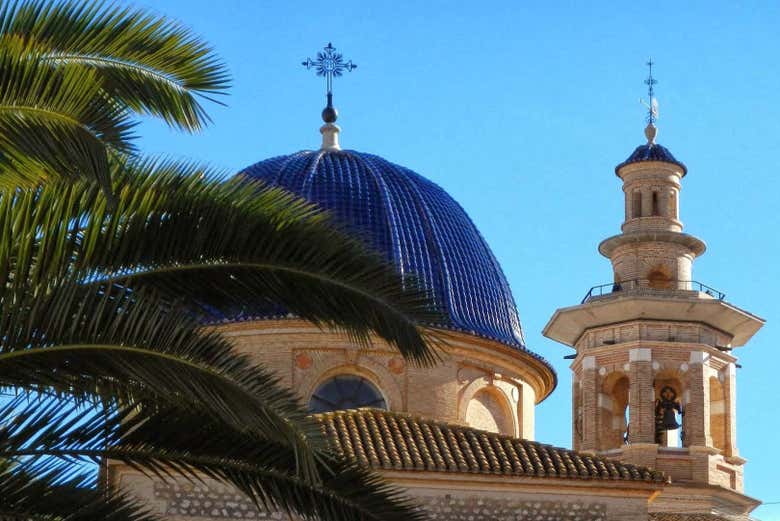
x=654, y=374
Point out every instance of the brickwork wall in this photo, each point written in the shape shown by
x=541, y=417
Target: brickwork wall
x=718, y=424
x=304, y=356
x=590, y=409
x=678, y=466
x=641, y=401
x=655, y=331
x=696, y=421
x=644, y=180
x=638, y=260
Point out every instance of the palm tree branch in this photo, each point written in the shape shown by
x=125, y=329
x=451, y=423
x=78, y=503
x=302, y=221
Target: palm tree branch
x=140, y=68
x=129, y=278
x=80, y=340
x=254, y=244
x=159, y=77
x=170, y=442
x=68, y=119
x=53, y=492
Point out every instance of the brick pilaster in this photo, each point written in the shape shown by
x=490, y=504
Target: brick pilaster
x=642, y=397
x=730, y=394
x=590, y=414
x=576, y=414
x=696, y=418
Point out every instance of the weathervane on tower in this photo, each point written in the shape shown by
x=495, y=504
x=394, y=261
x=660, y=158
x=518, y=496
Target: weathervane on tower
x=329, y=64
x=651, y=104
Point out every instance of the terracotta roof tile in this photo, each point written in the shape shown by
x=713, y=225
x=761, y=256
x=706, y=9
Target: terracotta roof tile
x=396, y=441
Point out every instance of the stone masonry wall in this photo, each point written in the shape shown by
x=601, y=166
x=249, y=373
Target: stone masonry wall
x=476, y=508
x=185, y=501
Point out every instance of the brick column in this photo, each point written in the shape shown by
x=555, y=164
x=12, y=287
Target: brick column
x=730, y=395
x=696, y=419
x=590, y=392
x=576, y=413
x=642, y=397
x=647, y=202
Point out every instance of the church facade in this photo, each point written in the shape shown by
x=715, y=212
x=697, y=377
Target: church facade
x=654, y=373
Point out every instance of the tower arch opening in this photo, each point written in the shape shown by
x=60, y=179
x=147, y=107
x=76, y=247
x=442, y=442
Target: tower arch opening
x=614, y=411
x=659, y=278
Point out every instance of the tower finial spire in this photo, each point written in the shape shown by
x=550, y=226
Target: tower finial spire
x=651, y=104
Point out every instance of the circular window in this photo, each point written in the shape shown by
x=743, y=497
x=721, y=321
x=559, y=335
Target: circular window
x=345, y=392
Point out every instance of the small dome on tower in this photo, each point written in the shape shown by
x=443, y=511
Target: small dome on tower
x=652, y=152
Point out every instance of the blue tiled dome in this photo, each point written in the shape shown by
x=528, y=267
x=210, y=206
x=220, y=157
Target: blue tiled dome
x=415, y=223
x=651, y=152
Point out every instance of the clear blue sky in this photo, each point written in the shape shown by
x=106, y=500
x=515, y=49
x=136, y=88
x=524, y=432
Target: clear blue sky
x=521, y=111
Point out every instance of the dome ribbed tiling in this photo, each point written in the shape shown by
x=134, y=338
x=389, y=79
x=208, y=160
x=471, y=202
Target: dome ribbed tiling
x=651, y=152
x=415, y=224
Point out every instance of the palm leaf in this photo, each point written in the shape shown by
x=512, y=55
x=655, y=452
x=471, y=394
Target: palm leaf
x=150, y=64
x=86, y=344
x=170, y=442
x=50, y=123
x=223, y=249
x=47, y=496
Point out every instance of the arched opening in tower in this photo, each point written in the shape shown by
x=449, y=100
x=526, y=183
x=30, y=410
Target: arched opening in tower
x=659, y=278
x=614, y=411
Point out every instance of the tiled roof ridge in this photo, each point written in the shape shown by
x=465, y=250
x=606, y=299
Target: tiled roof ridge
x=403, y=441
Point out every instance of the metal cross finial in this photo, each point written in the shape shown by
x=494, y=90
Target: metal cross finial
x=652, y=104
x=329, y=64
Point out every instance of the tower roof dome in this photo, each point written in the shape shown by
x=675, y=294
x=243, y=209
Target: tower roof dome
x=415, y=224
x=651, y=151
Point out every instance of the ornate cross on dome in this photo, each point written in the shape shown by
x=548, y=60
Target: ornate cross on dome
x=652, y=104
x=329, y=64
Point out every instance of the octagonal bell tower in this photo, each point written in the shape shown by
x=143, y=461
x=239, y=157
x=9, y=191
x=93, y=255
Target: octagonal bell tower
x=654, y=375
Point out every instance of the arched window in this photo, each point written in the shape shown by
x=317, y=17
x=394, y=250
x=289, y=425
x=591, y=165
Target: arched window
x=345, y=392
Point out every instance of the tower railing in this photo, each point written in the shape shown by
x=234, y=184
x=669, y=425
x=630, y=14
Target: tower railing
x=651, y=286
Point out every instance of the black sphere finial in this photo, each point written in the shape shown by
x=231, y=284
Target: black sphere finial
x=329, y=113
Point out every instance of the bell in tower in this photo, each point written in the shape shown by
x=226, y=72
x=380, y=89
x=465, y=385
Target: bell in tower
x=667, y=407
x=654, y=375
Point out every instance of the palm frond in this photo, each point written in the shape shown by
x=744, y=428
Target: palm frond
x=221, y=248
x=123, y=345
x=46, y=495
x=50, y=124
x=148, y=63
x=170, y=443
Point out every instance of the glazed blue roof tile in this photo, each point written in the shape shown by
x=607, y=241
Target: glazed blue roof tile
x=651, y=152
x=415, y=224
